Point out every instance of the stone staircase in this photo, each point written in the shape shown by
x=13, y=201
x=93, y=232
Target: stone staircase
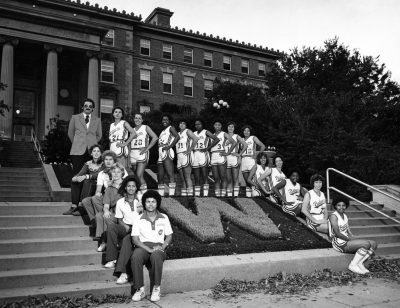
x=19, y=154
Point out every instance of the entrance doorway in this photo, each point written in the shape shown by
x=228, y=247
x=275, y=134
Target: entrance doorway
x=24, y=114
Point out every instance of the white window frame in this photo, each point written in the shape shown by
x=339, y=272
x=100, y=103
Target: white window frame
x=187, y=49
x=210, y=55
x=106, y=105
x=167, y=76
x=244, y=61
x=107, y=67
x=147, y=74
x=208, y=86
x=145, y=43
x=191, y=81
x=224, y=58
x=111, y=35
x=167, y=48
x=263, y=70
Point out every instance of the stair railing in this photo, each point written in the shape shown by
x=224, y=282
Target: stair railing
x=38, y=148
x=329, y=187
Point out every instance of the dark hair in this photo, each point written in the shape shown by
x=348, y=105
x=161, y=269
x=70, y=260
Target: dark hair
x=165, y=115
x=199, y=120
x=260, y=155
x=277, y=156
x=129, y=178
x=89, y=100
x=183, y=121
x=217, y=121
x=120, y=108
x=247, y=126
x=109, y=153
x=293, y=171
x=316, y=177
x=337, y=200
x=231, y=123
x=151, y=194
x=139, y=113
x=101, y=151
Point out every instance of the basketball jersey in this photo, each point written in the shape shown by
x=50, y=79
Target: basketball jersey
x=343, y=224
x=118, y=132
x=142, y=138
x=292, y=192
x=203, y=140
x=221, y=143
x=183, y=143
x=165, y=138
x=260, y=171
x=228, y=144
x=251, y=147
x=276, y=176
x=317, y=203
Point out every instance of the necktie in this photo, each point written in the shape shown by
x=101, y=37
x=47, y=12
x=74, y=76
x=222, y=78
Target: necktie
x=87, y=119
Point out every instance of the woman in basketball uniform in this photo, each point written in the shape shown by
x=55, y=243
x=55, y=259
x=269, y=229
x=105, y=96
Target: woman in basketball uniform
x=249, y=156
x=276, y=176
x=233, y=161
x=140, y=147
x=166, y=142
x=184, y=147
x=291, y=194
x=260, y=186
x=218, y=159
x=118, y=136
x=342, y=238
x=314, y=206
x=201, y=157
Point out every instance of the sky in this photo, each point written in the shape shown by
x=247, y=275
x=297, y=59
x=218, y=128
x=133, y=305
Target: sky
x=370, y=26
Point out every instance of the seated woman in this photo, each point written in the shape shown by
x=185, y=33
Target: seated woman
x=259, y=176
x=126, y=210
x=292, y=195
x=342, y=238
x=314, y=206
x=152, y=233
x=83, y=184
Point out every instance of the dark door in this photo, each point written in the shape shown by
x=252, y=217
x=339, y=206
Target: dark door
x=24, y=114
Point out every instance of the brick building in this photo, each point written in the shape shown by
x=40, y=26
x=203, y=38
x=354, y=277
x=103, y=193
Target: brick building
x=54, y=53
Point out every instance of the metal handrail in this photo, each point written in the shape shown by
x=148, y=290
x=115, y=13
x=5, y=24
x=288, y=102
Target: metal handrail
x=354, y=199
x=37, y=145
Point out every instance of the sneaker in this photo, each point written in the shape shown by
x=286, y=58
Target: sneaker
x=122, y=279
x=102, y=247
x=70, y=211
x=355, y=269
x=139, y=295
x=110, y=264
x=363, y=268
x=78, y=211
x=155, y=295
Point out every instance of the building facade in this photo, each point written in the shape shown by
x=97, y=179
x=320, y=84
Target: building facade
x=55, y=53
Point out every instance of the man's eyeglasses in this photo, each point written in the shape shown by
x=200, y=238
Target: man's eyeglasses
x=88, y=106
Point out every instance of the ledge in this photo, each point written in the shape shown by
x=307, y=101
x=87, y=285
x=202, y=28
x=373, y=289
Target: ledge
x=57, y=192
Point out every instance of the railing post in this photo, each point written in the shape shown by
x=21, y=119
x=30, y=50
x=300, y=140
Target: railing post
x=327, y=185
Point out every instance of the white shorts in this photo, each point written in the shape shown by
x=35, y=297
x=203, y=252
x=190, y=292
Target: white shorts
x=136, y=157
x=217, y=159
x=183, y=160
x=163, y=155
x=232, y=161
x=247, y=163
x=119, y=151
x=200, y=159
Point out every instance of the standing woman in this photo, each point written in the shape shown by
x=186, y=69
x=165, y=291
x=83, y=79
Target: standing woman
x=201, y=157
x=184, y=148
x=259, y=176
x=118, y=136
x=233, y=161
x=218, y=159
x=166, y=142
x=140, y=147
x=249, y=156
x=276, y=176
x=314, y=206
x=342, y=238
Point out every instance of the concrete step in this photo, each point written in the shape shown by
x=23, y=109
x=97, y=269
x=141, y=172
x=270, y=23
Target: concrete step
x=51, y=259
x=23, y=189
x=383, y=238
x=361, y=207
x=387, y=249
x=19, y=176
x=33, y=208
x=25, y=199
x=39, y=220
x=369, y=213
x=49, y=276
x=375, y=229
x=20, y=181
x=21, y=170
x=41, y=183
x=371, y=221
x=44, y=245
x=8, y=233
x=37, y=193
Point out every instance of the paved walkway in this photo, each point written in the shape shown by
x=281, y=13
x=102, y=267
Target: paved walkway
x=371, y=293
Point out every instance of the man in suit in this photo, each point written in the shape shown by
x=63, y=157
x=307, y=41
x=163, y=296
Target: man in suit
x=84, y=130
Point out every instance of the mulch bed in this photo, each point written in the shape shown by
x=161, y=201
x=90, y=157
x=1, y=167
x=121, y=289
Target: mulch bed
x=295, y=236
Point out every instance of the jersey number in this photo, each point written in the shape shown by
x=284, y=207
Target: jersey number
x=138, y=142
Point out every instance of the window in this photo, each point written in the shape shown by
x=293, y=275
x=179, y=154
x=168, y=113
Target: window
x=188, y=86
x=145, y=80
x=144, y=47
x=106, y=105
x=167, y=83
x=227, y=63
x=144, y=109
x=108, y=40
x=245, y=66
x=208, y=87
x=167, y=51
x=188, y=55
x=261, y=69
x=208, y=58
x=107, y=71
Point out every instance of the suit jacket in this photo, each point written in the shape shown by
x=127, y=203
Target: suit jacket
x=83, y=138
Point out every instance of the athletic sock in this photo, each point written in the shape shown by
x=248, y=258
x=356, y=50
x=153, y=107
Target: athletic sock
x=190, y=191
x=223, y=192
x=217, y=193
x=172, y=189
x=197, y=190
x=183, y=192
x=236, y=191
x=229, y=192
x=248, y=192
x=161, y=189
x=360, y=264
x=353, y=266
x=206, y=188
x=143, y=188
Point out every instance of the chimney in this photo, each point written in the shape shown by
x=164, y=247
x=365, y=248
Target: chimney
x=160, y=17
